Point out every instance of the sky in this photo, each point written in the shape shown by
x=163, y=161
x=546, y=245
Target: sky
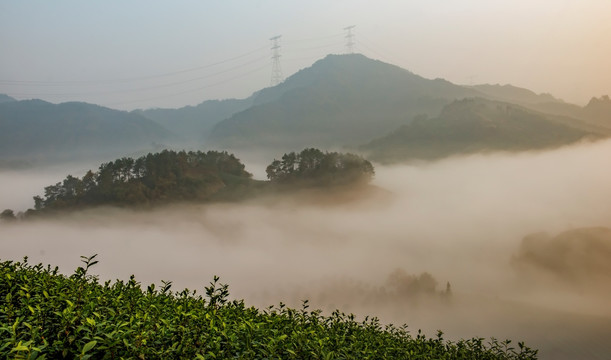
x=146, y=54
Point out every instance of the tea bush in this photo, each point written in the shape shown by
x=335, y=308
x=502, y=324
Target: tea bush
x=47, y=315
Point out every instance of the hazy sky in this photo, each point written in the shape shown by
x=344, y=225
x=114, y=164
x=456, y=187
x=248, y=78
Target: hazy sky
x=140, y=54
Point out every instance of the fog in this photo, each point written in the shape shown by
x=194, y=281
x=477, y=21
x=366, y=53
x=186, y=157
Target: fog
x=461, y=220
x=17, y=187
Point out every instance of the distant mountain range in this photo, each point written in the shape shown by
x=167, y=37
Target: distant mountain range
x=340, y=101
x=195, y=123
x=35, y=131
x=597, y=111
x=348, y=100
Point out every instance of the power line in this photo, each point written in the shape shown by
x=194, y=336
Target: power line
x=371, y=49
x=335, y=44
x=393, y=58
x=123, y=80
x=316, y=38
x=165, y=85
x=191, y=90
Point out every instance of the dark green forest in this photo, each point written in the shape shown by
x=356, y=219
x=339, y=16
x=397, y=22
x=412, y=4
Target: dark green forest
x=167, y=176
x=314, y=167
x=196, y=176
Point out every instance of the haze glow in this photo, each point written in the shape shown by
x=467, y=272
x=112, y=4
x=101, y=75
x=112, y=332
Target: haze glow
x=112, y=53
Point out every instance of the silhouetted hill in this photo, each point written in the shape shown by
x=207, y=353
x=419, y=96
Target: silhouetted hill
x=596, y=112
x=38, y=131
x=194, y=123
x=5, y=98
x=599, y=109
x=339, y=100
x=474, y=125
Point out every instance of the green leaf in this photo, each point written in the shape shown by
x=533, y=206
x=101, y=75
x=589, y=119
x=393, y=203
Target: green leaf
x=19, y=347
x=89, y=346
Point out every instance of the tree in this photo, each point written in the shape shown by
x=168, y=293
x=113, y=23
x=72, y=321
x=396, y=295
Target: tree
x=274, y=170
x=313, y=167
x=7, y=215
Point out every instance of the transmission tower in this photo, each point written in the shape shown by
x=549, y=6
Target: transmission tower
x=349, y=39
x=276, y=70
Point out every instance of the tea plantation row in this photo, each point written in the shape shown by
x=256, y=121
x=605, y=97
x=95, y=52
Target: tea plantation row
x=46, y=315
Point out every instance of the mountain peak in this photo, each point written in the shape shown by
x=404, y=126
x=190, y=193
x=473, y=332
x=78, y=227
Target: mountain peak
x=339, y=100
x=599, y=108
x=599, y=101
x=332, y=68
x=5, y=98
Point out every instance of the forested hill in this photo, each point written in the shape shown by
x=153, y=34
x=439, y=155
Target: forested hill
x=163, y=177
x=312, y=167
x=170, y=177
x=476, y=125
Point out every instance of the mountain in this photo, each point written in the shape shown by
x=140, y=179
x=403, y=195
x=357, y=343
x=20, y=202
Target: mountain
x=513, y=94
x=599, y=110
x=38, y=131
x=475, y=125
x=194, y=123
x=596, y=112
x=339, y=100
x=5, y=98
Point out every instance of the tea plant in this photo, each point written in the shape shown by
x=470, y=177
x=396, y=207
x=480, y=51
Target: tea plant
x=46, y=315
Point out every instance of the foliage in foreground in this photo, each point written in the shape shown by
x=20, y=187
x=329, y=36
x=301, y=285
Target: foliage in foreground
x=44, y=314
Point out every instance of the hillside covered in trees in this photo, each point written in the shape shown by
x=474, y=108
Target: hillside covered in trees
x=313, y=167
x=480, y=125
x=196, y=176
x=163, y=177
